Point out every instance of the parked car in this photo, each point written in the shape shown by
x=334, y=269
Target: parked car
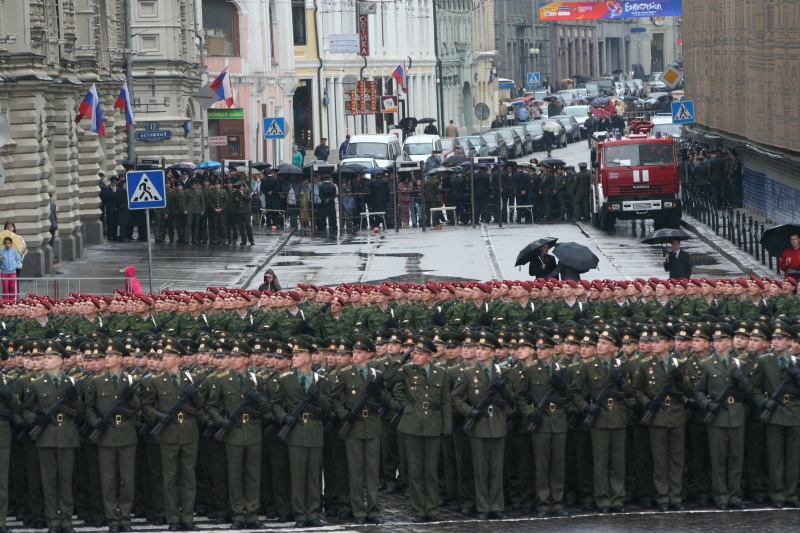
x=534, y=129
x=580, y=113
x=561, y=136
x=527, y=141
x=383, y=148
x=641, y=88
x=450, y=146
x=419, y=147
x=655, y=84
x=605, y=85
x=513, y=142
x=572, y=127
x=474, y=146
x=496, y=144
x=592, y=90
x=567, y=96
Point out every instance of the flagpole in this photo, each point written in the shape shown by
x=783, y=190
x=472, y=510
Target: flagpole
x=129, y=77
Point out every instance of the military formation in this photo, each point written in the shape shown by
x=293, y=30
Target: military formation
x=478, y=397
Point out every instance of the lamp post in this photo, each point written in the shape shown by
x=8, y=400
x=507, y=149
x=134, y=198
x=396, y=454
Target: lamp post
x=534, y=53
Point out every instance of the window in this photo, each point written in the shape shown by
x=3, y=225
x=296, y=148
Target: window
x=299, y=23
x=634, y=155
x=148, y=9
x=221, y=25
x=149, y=43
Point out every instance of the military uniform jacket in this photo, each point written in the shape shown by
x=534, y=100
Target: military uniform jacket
x=592, y=376
x=100, y=396
x=160, y=394
x=217, y=199
x=347, y=390
x=308, y=431
x=194, y=201
x=174, y=203
x=186, y=323
x=226, y=395
x=765, y=375
x=649, y=380
x=474, y=385
x=713, y=377
x=533, y=384
x=426, y=400
x=41, y=394
x=8, y=411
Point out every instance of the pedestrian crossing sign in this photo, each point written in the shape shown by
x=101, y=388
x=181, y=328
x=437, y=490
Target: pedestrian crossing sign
x=683, y=112
x=274, y=128
x=146, y=190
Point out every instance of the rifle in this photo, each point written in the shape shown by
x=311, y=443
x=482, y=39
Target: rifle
x=778, y=395
x=438, y=318
x=164, y=323
x=722, y=397
x=210, y=327
x=9, y=326
x=469, y=425
x=301, y=407
x=718, y=308
x=602, y=396
x=394, y=322
x=661, y=396
x=670, y=311
x=252, y=328
x=117, y=408
x=544, y=402
x=58, y=407
x=486, y=318
x=305, y=323
x=239, y=410
x=53, y=332
x=178, y=405
x=362, y=402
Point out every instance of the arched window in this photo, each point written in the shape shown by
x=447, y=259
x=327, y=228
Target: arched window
x=221, y=25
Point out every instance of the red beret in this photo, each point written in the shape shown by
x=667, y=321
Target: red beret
x=448, y=287
x=760, y=283
x=622, y=284
x=312, y=287
x=709, y=281
x=403, y=287
x=538, y=284
x=433, y=287
x=199, y=296
x=743, y=282
x=637, y=285
x=295, y=295
x=339, y=300
x=326, y=289
x=482, y=286
x=597, y=284
x=586, y=284
x=145, y=299
x=302, y=286
x=777, y=282
x=385, y=289
x=571, y=283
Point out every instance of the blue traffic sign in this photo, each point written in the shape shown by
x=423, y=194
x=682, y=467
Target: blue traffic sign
x=274, y=128
x=534, y=78
x=146, y=189
x=683, y=112
x=153, y=135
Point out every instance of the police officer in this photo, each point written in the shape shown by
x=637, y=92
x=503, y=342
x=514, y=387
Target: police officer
x=560, y=187
x=522, y=189
x=240, y=210
x=546, y=188
x=581, y=191
x=481, y=189
x=327, y=195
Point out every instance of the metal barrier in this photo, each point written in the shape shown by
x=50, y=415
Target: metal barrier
x=733, y=225
x=62, y=287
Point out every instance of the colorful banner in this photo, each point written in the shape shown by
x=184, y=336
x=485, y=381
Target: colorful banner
x=361, y=101
x=611, y=9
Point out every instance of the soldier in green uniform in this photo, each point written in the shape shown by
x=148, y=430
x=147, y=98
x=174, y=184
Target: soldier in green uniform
x=423, y=392
x=702, y=176
x=173, y=207
x=205, y=230
x=611, y=420
x=560, y=191
x=194, y=319
x=9, y=406
x=179, y=438
x=550, y=434
x=160, y=218
x=668, y=426
x=281, y=480
x=117, y=441
x=217, y=206
x=700, y=483
x=175, y=210
x=783, y=425
x=581, y=192
x=243, y=433
x=194, y=205
x=726, y=431
x=547, y=187
x=430, y=196
x=363, y=442
x=570, y=179
x=59, y=437
x=240, y=210
x=333, y=322
x=306, y=437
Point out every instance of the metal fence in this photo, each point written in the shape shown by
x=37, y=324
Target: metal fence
x=732, y=224
x=62, y=287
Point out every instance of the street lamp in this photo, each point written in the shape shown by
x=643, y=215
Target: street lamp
x=534, y=52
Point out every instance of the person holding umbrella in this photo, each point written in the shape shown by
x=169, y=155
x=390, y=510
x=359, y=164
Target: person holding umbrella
x=790, y=258
x=677, y=262
x=543, y=264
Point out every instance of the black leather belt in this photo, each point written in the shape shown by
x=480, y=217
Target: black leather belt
x=426, y=405
x=307, y=417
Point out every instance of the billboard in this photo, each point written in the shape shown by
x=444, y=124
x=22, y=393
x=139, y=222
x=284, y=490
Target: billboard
x=612, y=9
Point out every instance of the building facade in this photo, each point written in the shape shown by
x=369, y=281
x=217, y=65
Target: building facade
x=743, y=60
x=664, y=47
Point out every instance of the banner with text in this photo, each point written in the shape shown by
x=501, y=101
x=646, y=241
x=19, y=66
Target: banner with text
x=619, y=9
x=362, y=100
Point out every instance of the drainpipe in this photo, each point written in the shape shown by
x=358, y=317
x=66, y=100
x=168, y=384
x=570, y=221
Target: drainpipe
x=363, y=117
x=408, y=94
x=320, y=89
x=439, y=91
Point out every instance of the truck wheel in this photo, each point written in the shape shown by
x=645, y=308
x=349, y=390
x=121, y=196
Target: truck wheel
x=607, y=222
x=674, y=220
x=595, y=220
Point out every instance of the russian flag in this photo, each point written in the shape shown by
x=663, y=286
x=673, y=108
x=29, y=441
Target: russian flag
x=222, y=86
x=399, y=75
x=90, y=107
x=124, y=102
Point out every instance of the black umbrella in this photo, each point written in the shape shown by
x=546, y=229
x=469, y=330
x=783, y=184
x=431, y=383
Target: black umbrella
x=287, y=168
x=260, y=166
x=552, y=162
x=666, y=236
x=179, y=167
x=454, y=160
x=527, y=254
x=576, y=256
x=426, y=120
x=776, y=240
x=354, y=168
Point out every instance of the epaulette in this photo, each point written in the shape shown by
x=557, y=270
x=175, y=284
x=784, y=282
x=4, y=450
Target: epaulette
x=470, y=367
x=576, y=363
x=222, y=374
x=646, y=359
x=590, y=360
x=347, y=368
x=528, y=365
x=409, y=364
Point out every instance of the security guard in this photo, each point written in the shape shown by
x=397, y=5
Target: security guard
x=423, y=392
x=179, y=438
x=240, y=211
x=231, y=390
x=487, y=438
x=117, y=435
x=581, y=191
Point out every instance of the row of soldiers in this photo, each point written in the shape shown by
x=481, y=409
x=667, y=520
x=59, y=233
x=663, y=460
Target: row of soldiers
x=537, y=414
x=325, y=311
x=715, y=173
x=200, y=211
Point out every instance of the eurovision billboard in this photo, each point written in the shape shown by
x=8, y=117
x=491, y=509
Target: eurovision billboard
x=611, y=9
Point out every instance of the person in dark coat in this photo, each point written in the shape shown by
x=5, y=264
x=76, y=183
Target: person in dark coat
x=108, y=196
x=271, y=189
x=327, y=196
x=360, y=192
x=123, y=213
x=553, y=108
x=457, y=194
x=271, y=282
x=522, y=190
x=535, y=175
x=378, y=197
x=565, y=272
x=322, y=151
x=504, y=188
x=677, y=262
x=481, y=189
x=543, y=264
x=549, y=139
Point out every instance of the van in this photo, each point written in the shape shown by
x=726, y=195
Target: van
x=419, y=147
x=385, y=149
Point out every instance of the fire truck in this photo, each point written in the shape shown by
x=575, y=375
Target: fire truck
x=635, y=177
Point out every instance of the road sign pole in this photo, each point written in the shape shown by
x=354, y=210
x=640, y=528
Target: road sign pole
x=149, y=249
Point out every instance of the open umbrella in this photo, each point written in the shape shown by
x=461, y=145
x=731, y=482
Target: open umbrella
x=552, y=162
x=602, y=100
x=319, y=162
x=580, y=101
x=181, y=166
x=356, y=168
x=576, y=256
x=527, y=254
x=209, y=164
x=287, y=168
x=666, y=236
x=454, y=160
x=17, y=242
x=776, y=239
x=426, y=120
x=261, y=166
x=599, y=112
x=552, y=127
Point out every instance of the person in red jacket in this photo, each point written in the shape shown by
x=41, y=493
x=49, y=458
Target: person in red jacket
x=790, y=259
